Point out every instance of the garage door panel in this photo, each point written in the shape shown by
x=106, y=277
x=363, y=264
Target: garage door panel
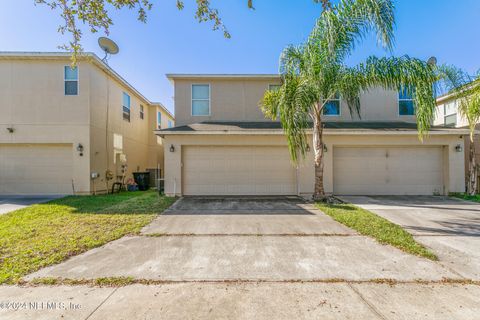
x=405, y=170
x=35, y=169
x=237, y=170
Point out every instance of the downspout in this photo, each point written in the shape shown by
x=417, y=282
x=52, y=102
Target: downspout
x=106, y=133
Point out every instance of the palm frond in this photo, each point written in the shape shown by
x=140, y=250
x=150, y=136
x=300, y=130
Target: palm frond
x=292, y=104
x=456, y=81
x=338, y=31
x=465, y=89
x=404, y=73
x=350, y=85
x=292, y=60
x=469, y=108
x=315, y=71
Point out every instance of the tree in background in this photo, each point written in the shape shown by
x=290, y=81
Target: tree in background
x=95, y=15
x=315, y=72
x=465, y=90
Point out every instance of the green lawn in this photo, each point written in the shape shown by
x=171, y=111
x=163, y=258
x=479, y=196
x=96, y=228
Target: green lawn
x=48, y=233
x=464, y=196
x=370, y=224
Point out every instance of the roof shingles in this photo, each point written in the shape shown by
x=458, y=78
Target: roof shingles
x=226, y=126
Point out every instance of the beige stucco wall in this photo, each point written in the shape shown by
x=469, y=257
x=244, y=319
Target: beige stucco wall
x=32, y=101
x=235, y=100
x=453, y=161
x=440, y=114
x=238, y=100
x=143, y=149
x=461, y=123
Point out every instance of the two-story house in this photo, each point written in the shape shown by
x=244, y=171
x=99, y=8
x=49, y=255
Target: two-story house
x=67, y=130
x=223, y=145
x=448, y=115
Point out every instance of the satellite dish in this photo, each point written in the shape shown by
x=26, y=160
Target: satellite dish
x=108, y=46
x=432, y=61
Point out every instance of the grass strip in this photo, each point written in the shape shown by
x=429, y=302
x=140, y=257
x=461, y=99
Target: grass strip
x=372, y=225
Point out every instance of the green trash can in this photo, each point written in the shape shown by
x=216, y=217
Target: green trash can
x=142, y=179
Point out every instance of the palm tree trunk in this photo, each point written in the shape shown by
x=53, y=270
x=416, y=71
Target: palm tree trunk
x=319, y=191
x=472, y=168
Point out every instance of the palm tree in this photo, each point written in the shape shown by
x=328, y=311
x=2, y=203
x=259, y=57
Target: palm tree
x=315, y=72
x=465, y=90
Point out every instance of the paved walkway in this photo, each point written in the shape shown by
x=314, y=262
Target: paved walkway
x=249, y=258
x=449, y=226
x=11, y=204
x=245, y=301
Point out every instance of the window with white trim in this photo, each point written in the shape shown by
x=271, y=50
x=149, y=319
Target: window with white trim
x=142, y=114
x=70, y=78
x=159, y=120
x=450, y=114
x=406, y=105
x=332, y=106
x=126, y=107
x=200, y=99
x=170, y=124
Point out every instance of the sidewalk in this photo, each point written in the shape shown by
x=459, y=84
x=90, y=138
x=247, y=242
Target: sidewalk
x=281, y=300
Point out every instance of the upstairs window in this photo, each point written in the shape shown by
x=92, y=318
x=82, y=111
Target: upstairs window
x=71, y=81
x=200, y=99
x=142, y=115
x=170, y=124
x=450, y=114
x=159, y=120
x=332, y=107
x=406, y=106
x=126, y=107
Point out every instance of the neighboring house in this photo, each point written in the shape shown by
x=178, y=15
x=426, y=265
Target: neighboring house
x=59, y=126
x=223, y=145
x=448, y=115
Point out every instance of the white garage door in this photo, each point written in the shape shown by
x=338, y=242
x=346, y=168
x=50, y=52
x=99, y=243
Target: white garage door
x=226, y=170
x=35, y=169
x=388, y=170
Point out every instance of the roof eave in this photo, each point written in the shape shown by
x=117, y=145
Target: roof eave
x=173, y=76
x=325, y=131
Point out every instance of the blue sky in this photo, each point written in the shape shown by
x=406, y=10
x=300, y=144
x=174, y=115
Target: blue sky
x=173, y=42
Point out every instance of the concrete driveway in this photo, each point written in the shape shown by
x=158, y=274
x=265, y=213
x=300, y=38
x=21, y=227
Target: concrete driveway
x=449, y=226
x=15, y=203
x=262, y=258
x=260, y=239
x=244, y=216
